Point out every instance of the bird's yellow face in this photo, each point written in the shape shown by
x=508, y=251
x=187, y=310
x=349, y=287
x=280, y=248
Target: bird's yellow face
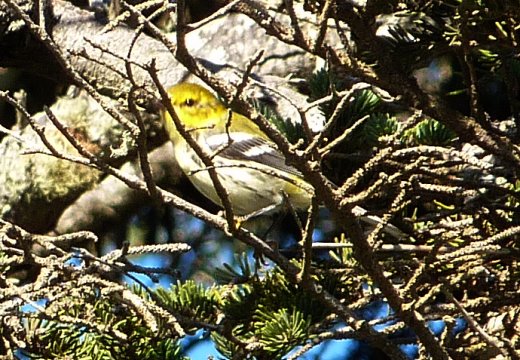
x=195, y=106
x=202, y=114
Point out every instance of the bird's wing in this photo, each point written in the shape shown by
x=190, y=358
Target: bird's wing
x=244, y=147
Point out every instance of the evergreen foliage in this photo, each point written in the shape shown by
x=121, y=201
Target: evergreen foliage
x=112, y=330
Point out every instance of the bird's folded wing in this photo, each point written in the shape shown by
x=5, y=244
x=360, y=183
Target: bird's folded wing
x=243, y=147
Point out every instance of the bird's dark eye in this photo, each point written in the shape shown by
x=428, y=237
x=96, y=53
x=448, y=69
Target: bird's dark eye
x=189, y=102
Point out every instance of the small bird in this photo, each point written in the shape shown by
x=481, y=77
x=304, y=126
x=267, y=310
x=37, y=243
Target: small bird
x=248, y=164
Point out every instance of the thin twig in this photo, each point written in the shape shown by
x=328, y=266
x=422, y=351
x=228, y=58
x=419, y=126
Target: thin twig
x=307, y=240
x=323, y=25
x=36, y=127
x=493, y=342
x=298, y=35
x=220, y=12
x=247, y=73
